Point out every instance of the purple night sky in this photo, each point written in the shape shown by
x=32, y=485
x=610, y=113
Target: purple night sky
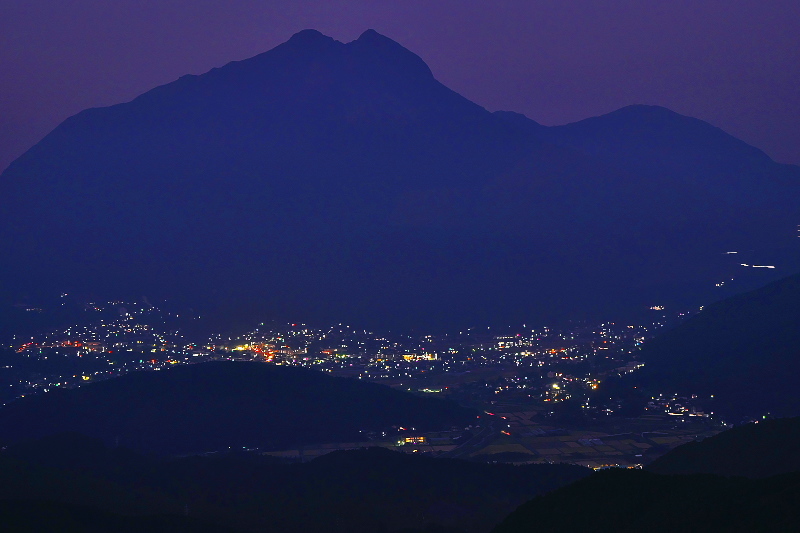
x=734, y=63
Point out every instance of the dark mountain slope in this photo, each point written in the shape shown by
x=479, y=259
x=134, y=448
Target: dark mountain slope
x=213, y=406
x=757, y=450
x=744, y=350
x=23, y=479
x=26, y=516
x=622, y=501
x=343, y=182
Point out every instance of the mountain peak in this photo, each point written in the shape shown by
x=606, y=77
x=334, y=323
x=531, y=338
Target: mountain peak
x=383, y=182
x=650, y=112
x=374, y=36
x=310, y=37
x=383, y=49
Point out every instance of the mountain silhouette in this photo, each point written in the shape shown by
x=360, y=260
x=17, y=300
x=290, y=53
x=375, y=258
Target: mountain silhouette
x=32, y=516
x=342, y=181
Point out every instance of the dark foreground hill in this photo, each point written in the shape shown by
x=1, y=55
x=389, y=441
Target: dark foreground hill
x=342, y=182
x=32, y=516
x=622, y=501
x=754, y=450
x=369, y=491
x=745, y=351
x=213, y=406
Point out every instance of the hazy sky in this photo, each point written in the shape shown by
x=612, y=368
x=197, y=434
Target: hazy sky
x=734, y=63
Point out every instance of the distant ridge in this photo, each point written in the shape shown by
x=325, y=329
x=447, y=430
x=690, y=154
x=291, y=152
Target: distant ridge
x=342, y=182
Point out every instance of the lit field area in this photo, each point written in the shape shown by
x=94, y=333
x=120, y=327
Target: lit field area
x=625, y=443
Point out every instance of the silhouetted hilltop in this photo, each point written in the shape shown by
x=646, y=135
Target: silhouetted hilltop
x=758, y=450
x=369, y=490
x=745, y=351
x=342, y=182
x=213, y=406
x=653, y=139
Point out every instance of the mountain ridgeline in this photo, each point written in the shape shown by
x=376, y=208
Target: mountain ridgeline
x=333, y=181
